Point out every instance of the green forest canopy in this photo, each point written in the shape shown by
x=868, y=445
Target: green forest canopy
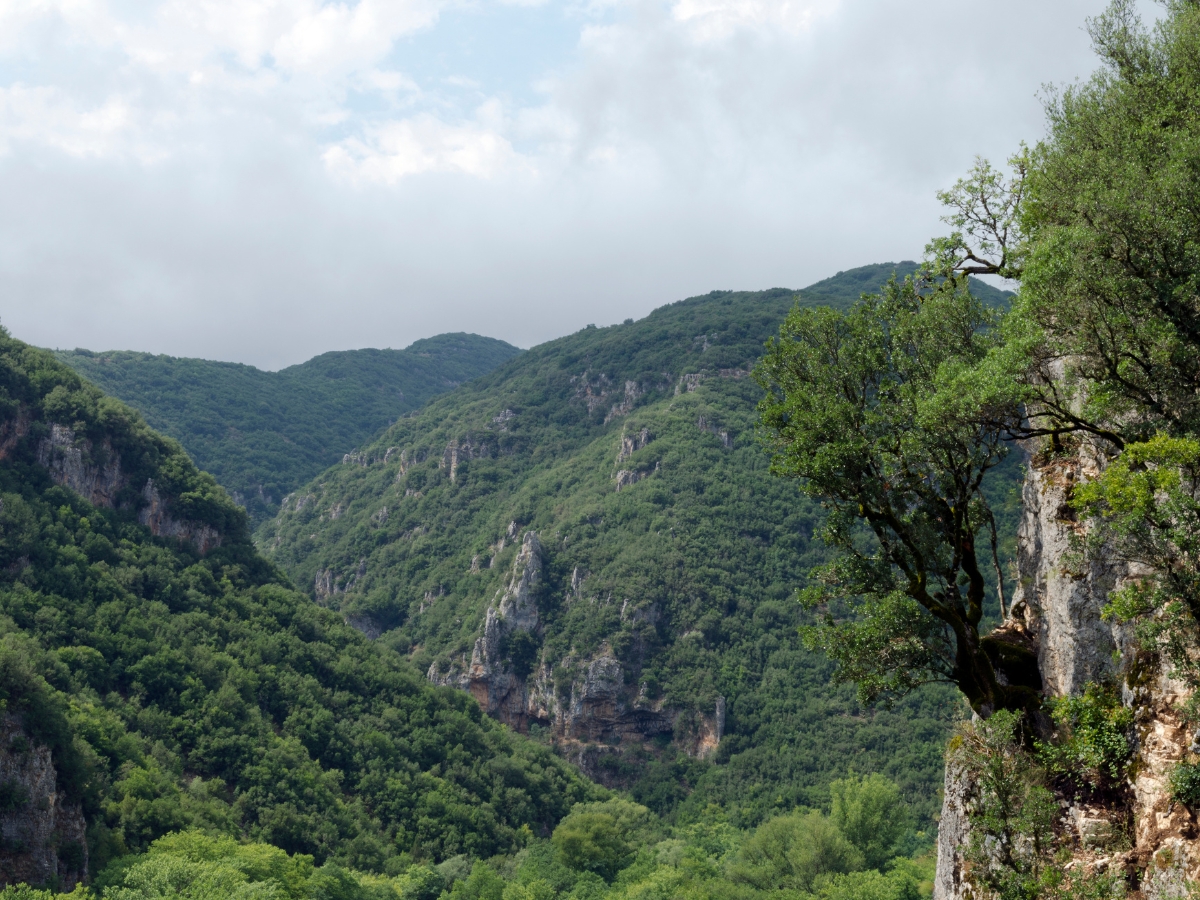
x=687, y=575
x=262, y=434
x=203, y=691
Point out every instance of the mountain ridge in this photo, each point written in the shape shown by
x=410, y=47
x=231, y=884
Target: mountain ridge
x=264, y=433
x=176, y=680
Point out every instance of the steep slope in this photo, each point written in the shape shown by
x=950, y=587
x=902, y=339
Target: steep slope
x=589, y=542
x=157, y=674
x=263, y=434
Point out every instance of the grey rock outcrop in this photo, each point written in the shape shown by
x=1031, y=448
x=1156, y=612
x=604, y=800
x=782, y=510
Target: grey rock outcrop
x=598, y=709
x=953, y=835
x=627, y=478
x=632, y=443
x=155, y=516
x=94, y=472
x=488, y=677
x=1059, y=602
x=1059, y=595
x=518, y=606
x=623, y=407
x=43, y=835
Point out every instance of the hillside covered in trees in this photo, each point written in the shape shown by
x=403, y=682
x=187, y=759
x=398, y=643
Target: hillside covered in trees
x=178, y=722
x=605, y=497
x=180, y=682
x=263, y=434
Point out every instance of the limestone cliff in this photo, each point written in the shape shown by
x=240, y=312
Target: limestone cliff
x=43, y=835
x=1147, y=839
x=95, y=473
x=587, y=718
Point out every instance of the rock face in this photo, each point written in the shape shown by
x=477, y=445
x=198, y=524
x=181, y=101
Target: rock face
x=154, y=515
x=1059, y=598
x=953, y=833
x=1058, y=603
x=43, y=837
x=489, y=678
x=597, y=711
x=94, y=472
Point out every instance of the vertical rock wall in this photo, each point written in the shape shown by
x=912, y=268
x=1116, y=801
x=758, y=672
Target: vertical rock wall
x=1059, y=602
x=43, y=836
x=95, y=474
x=1059, y=595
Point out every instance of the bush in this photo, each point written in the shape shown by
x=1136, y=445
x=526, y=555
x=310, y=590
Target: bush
x=872, y=885
x=1092, y=744
x=1012, y=821
x=593, y=842
x=1185, y=784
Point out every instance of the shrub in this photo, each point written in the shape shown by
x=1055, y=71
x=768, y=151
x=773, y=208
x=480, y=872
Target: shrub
x=1185, y=784
x=1092, y=741
x=1012, y=822
x=593, y=842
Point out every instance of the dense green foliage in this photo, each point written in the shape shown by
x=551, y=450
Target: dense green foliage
x=686, y=575
x=803, y=856
x=1012, y=850
x=263, y=434
x=1093, y=741
x=178, y=690
x=842, y=290
x=1113, y=233
x=1098, y=357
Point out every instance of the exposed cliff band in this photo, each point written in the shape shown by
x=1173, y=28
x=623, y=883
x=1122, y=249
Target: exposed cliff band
x=596, y=709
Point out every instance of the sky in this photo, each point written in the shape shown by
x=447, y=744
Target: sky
x=264, y=180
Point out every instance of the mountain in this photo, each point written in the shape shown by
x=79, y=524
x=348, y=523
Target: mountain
x=588, y=541
x=263, y=434
x=157, y=674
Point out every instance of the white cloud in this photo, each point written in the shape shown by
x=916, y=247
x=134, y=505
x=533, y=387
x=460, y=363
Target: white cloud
x=391, y=151
x=267, y=179
x=718, y=19
x=44, y=116
x=340, y=36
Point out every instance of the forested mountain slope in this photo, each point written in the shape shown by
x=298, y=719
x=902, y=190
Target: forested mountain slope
x=263, y=434
x=176, y=680
x=589, y=542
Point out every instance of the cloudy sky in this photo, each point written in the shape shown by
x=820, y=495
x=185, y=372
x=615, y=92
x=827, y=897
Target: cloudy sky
x=264, y=180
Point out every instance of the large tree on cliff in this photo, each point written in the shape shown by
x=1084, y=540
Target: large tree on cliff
x=1109, y=310
x=1109, y=306
x=893, y=413
x=866, y=410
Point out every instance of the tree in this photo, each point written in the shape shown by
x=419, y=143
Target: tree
x=872, y=815
x=871, y=412
x=596, y=837
x=1109, y=310
x=1110, y=289
x=789, y=853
